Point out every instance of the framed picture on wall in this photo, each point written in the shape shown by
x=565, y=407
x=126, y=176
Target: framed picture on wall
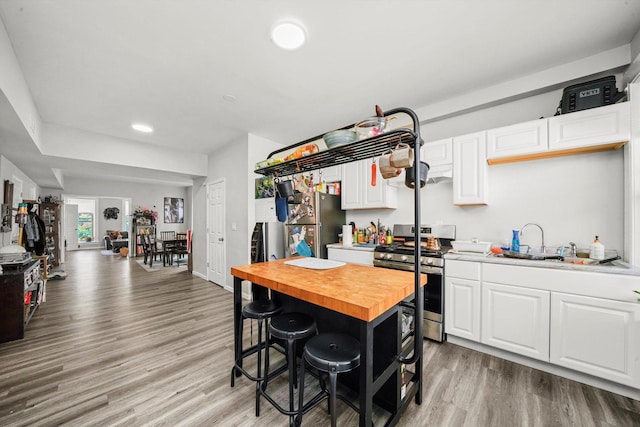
x=173, y=210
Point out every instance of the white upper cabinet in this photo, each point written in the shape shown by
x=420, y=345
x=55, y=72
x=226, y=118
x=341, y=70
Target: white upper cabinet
x=357, y=191
x=332, y=173
x=470, y=169
x=596, y=126
x=519, y=139
x=439, y=157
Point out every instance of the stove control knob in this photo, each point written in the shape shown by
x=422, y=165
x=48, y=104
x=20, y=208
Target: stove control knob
x=429, y=261
x=389, y=256
x=404, y=258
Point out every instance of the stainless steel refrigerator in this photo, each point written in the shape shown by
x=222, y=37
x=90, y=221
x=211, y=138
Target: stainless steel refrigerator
x=314, y=220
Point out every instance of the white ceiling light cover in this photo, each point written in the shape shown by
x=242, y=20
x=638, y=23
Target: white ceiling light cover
x=288, y=35
x=141, y=127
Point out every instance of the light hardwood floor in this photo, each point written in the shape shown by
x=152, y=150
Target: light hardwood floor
x=117, y=345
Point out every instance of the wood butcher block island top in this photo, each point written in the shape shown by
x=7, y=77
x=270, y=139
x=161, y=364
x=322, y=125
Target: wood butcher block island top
x=355, y=290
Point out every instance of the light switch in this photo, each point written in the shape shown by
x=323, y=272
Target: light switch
x=234, y=227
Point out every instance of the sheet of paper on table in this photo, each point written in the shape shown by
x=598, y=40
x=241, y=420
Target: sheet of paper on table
x=315, y=263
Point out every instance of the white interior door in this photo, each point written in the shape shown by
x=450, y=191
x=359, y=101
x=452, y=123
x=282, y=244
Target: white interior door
x=216, y=247
x=71, y=226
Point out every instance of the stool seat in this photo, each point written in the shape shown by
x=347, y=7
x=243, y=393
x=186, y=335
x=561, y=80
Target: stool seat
x=261, y=309
x=333, y=352
x=293, y=326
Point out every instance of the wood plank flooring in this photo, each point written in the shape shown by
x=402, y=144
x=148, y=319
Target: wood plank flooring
x=115, y=345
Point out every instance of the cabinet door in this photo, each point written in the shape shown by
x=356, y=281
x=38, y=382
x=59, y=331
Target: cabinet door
x=462, y=308
x=357, y=191
x=519, y=139
x=470, y=169
x=595, y=126
x=596, y=336
x=350, y=191
x=332, y=174
x=516, y=319
x=351, y=255
x=437, y=153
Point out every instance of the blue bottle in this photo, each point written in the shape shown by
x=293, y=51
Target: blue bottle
x=515, y=241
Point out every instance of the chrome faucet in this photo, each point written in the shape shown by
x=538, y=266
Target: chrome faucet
x=541, y=232
x=574, y=249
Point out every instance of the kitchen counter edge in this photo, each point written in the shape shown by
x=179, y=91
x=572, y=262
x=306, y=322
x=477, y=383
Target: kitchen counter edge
x=351, y=248
x=619, y=267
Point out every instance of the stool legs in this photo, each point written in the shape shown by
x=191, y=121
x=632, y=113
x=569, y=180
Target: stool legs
x=332, y=397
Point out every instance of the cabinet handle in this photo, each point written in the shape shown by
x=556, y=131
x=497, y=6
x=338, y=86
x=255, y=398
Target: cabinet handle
x=220, y=239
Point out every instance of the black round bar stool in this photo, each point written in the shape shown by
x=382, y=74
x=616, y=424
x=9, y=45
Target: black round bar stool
x=329, y=353
x=262, y=311
x=291, y=327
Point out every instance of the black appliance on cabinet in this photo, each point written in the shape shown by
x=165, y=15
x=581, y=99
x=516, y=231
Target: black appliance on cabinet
x=591, y=94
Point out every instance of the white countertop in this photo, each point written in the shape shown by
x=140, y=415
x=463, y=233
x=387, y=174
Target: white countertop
x=366, y=247
x=616, y=267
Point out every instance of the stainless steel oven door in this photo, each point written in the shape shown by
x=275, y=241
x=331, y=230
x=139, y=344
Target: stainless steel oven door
x=433, y=296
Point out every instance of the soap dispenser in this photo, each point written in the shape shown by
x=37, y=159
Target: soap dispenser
x=515, y=241
x=596, y=250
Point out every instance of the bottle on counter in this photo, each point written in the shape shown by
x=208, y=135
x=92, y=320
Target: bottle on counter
x=515, y=241
x=389, y=237
x=596, y=251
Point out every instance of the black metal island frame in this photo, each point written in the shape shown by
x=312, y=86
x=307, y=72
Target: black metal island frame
x=387, y=371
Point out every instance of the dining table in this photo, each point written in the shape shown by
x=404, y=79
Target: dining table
x=170, y=247
x=363, y=301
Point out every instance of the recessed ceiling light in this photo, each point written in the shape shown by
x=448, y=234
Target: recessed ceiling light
x=288, y=35
x=229, y=98
x=141, y=127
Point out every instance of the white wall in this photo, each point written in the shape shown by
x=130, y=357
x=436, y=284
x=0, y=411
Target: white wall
x=572, y=198
x=145, y=195
x=230, y=163
x=24, y=188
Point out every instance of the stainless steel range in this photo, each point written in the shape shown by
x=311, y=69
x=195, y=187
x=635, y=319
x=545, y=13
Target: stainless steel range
x=435, y=241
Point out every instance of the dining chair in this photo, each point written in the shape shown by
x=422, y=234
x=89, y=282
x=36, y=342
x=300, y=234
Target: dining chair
x=167, y=235
x=151, y=250
x=180, y=248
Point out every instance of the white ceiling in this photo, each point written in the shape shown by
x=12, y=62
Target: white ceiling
x=100, y=65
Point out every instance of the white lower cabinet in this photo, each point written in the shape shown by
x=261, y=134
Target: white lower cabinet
x=353, y=256
x=462, y=308
x=596, y=336
x=462, y=299
x=531, y=312
x=516, y=319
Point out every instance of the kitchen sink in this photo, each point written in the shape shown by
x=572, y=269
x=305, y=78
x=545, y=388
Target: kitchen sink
x=531, y=255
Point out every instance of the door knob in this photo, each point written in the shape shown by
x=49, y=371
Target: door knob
x=220, y=239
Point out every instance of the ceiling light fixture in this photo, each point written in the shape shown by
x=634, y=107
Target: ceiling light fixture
x=141, y=127
x=288, y=35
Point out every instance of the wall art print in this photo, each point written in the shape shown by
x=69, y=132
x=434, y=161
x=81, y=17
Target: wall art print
x=111, y=213
x=173, y=210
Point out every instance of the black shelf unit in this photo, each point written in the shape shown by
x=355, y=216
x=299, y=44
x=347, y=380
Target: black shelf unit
x=50, y=215
x=143, y=224
x=366, y=149
x=16, y=309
